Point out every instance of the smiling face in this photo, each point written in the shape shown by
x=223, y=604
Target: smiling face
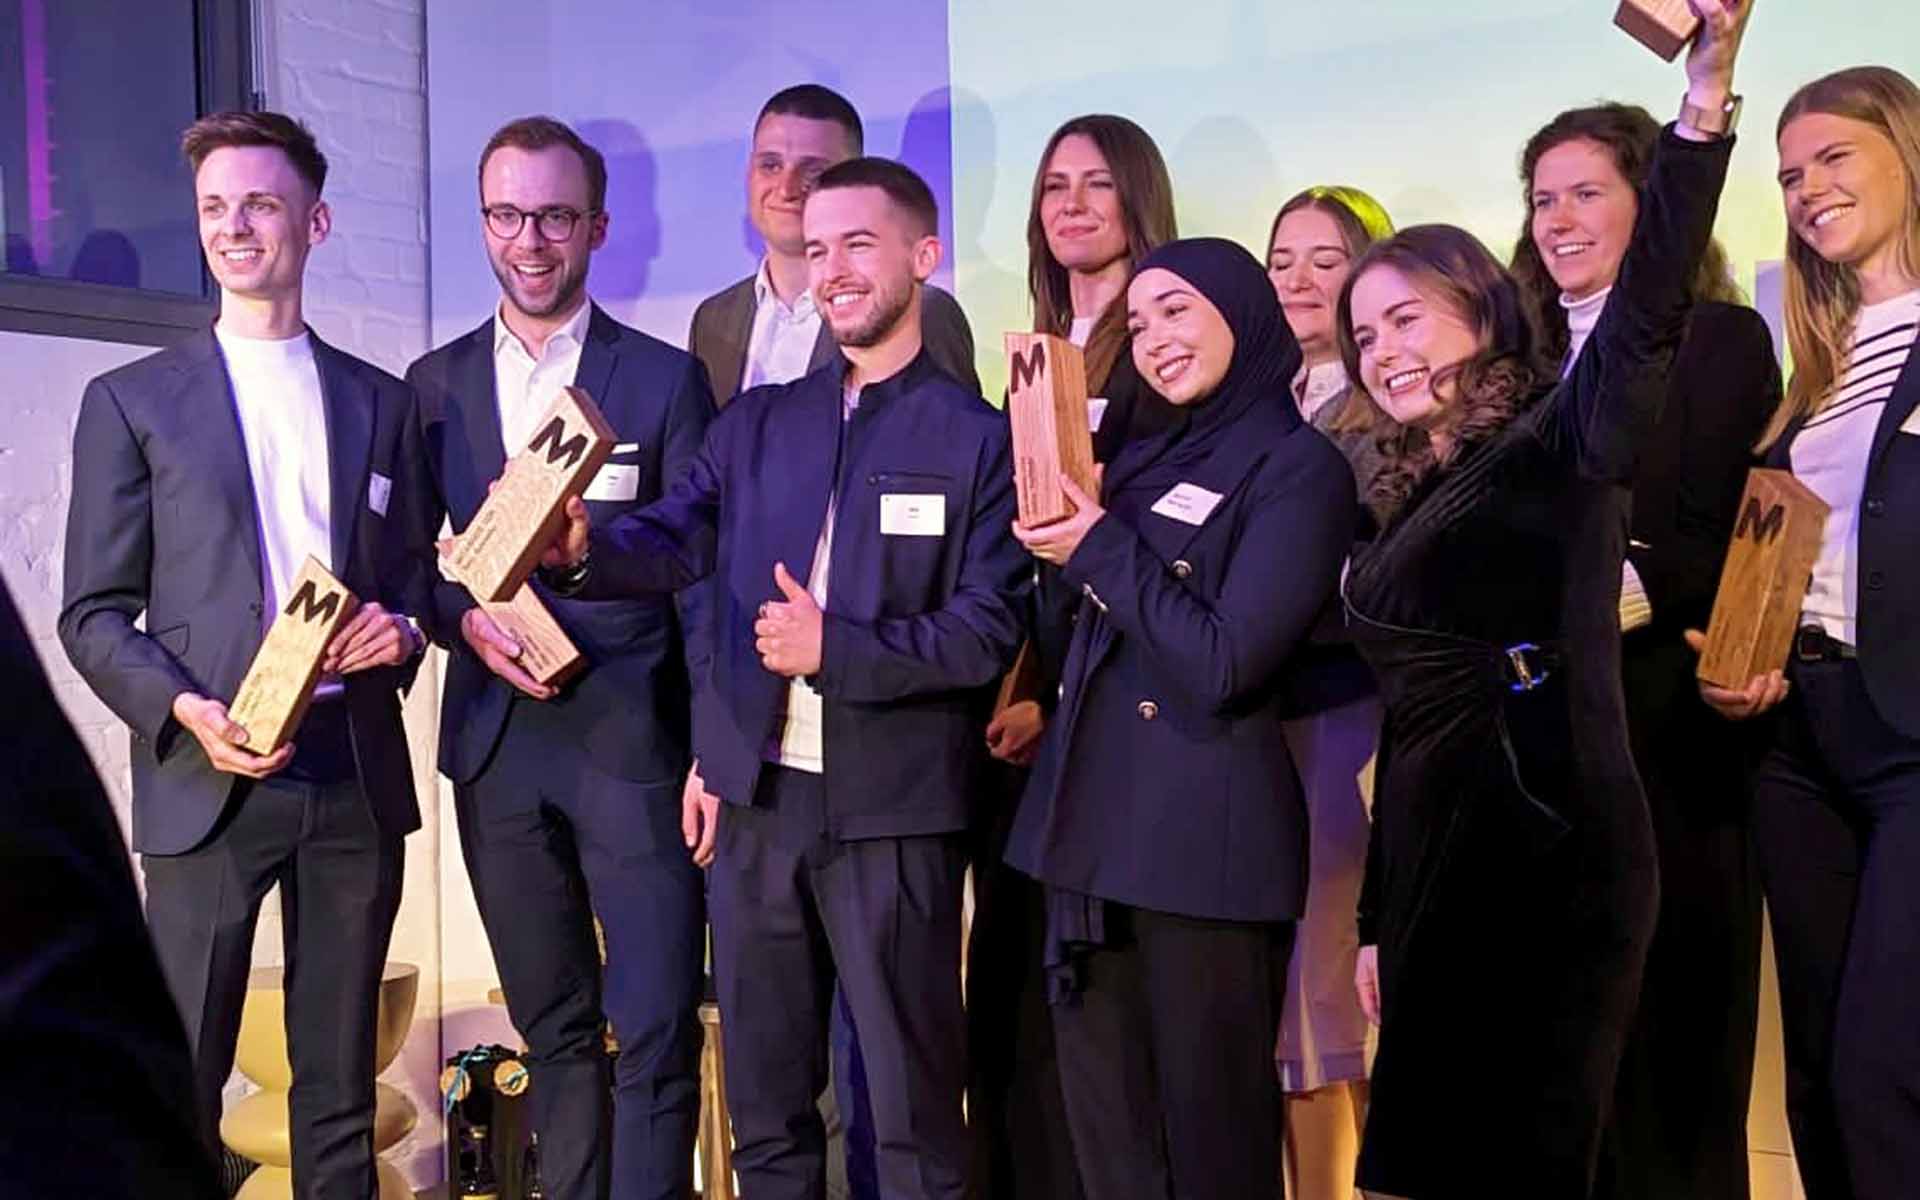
x=1845, y=190
x=1080, y=207
x=789, y=153
x=1182, y=346
x=1583, y=215
x=258, y=220
x=864, y=259
x=541, y=278
x=1308, y=264
x=1406, y=335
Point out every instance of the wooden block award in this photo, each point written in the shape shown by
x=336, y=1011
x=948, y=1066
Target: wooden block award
x=501, y=545
x=1764, y=580
x=1047, y=404
x=546, y=652
x=279, y=684
x=1662, y=26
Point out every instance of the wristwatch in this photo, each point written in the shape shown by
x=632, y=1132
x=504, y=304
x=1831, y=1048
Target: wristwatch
x=1719, y=122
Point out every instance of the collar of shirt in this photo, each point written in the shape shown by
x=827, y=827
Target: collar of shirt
x=1582, y=316
x=506, y=341
x=264, y=354
x=1316, y=385
x=801, y=308
x=875, y=392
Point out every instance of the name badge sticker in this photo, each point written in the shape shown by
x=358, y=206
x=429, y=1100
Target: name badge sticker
x=379, y=491
x=626, y=447
x=1189, y=503
x=616, y=481
x=1912, y=423
x=911, y=514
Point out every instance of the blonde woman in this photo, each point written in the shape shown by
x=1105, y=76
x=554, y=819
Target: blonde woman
x=1837, y=810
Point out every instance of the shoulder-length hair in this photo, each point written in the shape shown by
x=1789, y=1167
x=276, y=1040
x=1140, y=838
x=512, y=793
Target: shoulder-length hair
x=1482, y=393
x=1362, y=221
x=1823, y=298
x=1146, y=207
x=1628, y=134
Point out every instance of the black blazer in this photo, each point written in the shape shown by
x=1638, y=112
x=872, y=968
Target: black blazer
x=1889, y=618
x=918, y=628
x=723, y=325
x=96, y=1085
x=630, y=708
x=163, y=523
x=1165, y=781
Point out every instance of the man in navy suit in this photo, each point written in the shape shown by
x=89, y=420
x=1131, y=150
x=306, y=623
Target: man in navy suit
x=867, y=595
x=568, y=798
x=203, y=478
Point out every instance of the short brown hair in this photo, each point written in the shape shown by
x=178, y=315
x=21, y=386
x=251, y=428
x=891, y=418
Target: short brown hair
x=900, y=182
x=538, y=133
x=216, y=131
x=816, y=103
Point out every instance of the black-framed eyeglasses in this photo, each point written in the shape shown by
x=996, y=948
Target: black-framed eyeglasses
x=556, y=224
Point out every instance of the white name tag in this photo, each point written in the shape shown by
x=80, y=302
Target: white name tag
x=1912, y=423
x=379, y=491
x=616, y=481
x=626, y=447
x=907, y=514
x=1188, y=502
x=1096, y=411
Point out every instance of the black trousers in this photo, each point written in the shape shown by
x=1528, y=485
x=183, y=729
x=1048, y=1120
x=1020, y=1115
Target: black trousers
x=1166, y=1058
x=550, y=842
x=794, y=911
x=339, y=878
x=1837, y=826
x=1023, y=1149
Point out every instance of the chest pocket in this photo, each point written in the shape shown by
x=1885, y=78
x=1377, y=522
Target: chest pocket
x=914, y=514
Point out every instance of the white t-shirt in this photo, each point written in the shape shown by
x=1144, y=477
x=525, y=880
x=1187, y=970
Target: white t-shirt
x=1830, y=452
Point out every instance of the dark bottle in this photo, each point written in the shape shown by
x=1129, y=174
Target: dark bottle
x=530, y=1171
x=477, y=1179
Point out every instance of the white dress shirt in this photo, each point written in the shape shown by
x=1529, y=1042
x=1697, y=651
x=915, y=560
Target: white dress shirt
x=783, y=337
x=283, y=421
x=1314, y=386
x=801, y=744
x=523, y=387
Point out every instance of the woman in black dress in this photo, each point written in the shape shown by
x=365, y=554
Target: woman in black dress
x=1513, y=890
x=1679, y=1124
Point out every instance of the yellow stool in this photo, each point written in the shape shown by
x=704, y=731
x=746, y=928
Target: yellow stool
x=258, y=1127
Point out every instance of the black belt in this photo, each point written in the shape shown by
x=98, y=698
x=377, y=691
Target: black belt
x=1812, y=643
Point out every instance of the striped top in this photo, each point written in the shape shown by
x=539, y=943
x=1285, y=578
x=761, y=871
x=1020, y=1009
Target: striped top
x=1830, y=453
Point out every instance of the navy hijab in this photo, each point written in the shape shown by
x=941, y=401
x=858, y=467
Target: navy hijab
x=1265, y=356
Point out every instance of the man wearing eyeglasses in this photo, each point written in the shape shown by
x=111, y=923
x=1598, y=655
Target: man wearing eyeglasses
x=568, y=798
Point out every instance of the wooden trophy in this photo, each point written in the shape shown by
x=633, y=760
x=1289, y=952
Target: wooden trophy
x=1662, y=26
x=501, y=545
x=1047, y=404
x=546, y=652
x=1022, y=680
x=279, y=685
x=1764, y=581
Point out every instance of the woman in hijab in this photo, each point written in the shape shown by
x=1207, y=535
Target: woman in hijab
x=1164, y=816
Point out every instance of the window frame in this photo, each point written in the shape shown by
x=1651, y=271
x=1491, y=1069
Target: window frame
x=224, y=64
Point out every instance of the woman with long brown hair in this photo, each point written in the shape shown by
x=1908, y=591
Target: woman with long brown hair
x=1837, y=810
x=1511, y=898
x=1679, y=1121
x=1324, y=1039
x=1101, y=201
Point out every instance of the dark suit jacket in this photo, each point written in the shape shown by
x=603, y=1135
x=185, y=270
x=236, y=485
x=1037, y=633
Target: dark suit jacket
x=163, y=523
x=1889, y=617
x=918, y=628
x=95, y=1079
x=1723, y=386
x=630, y=707
x=1165, y=781
x=723, y=324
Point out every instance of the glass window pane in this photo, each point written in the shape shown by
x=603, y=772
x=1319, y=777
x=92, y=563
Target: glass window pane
x=93, y=96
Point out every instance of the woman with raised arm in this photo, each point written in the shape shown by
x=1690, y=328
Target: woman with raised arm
x=1512, y=895
x=1679, y=1121
x=1837, y=811
x=1324, y=1039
